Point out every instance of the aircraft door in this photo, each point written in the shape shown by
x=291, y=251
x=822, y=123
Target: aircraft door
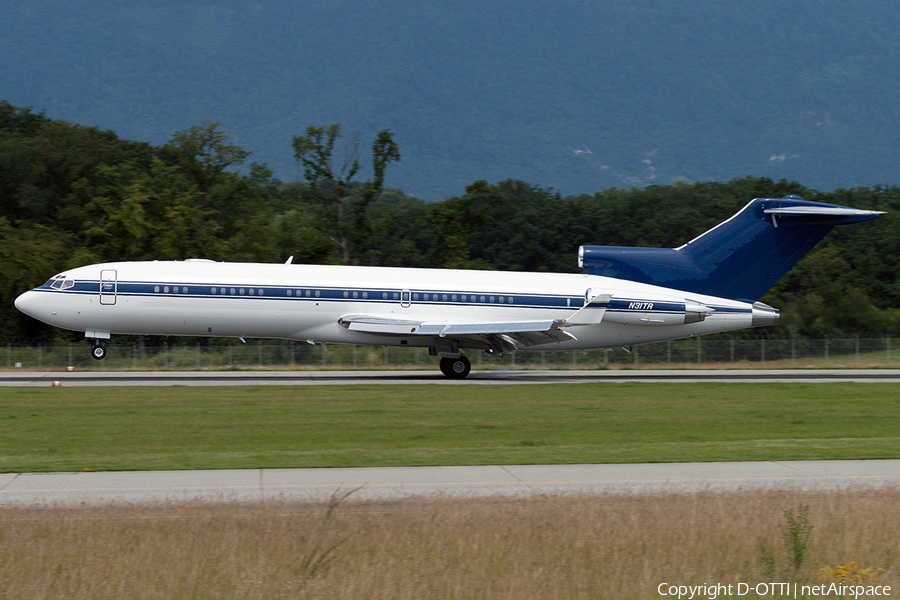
x=108, y=285
x=404, y=300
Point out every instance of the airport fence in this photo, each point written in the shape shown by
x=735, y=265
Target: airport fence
x=277, y=354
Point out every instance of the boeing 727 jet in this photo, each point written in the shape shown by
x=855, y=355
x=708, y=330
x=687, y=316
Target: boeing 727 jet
x=624, y=297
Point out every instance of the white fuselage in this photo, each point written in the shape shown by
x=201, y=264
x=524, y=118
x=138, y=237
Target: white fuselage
x=307, y=302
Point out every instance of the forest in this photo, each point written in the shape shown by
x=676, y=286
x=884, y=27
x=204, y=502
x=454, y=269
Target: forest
x=72, y=195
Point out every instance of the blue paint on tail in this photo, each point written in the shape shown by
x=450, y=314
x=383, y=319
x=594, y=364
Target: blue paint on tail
x=739, y=259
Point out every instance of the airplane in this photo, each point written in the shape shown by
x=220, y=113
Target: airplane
x=624, y=296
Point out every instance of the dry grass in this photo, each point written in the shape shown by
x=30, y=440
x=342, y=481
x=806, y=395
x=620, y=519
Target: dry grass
x=601, y=546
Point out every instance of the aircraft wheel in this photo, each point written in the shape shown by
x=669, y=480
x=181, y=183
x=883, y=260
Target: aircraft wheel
x=98, y=352
x=456, y=368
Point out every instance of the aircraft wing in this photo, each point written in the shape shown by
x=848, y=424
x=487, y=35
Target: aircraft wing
x=506, y=335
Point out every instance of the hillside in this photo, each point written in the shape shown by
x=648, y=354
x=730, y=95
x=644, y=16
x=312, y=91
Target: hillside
x=577, y=96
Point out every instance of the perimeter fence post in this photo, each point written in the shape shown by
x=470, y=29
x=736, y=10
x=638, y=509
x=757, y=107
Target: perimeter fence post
x=230, y=363
x=417, y=357
x=386, y=361
x=888, y=345
x=292, y=353
x=513, y=358
x=40, y=355
x=732, y=349
x=793, y=349
x=8, y=355
x=133, y=355
x=826, y=348
x=354, y=355
x=259, y=344
x=669, y=352
x=699, y=352
x=762, y=350
x=856, y=340
x=606, y=357
x=637, y=361
x=70, y=354
x=166, y=347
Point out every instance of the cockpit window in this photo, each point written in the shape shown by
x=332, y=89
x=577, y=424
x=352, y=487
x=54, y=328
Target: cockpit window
x=59, y=282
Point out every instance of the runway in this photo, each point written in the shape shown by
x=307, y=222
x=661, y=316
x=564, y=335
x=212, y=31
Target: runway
x=510, y=377
x=480, y=481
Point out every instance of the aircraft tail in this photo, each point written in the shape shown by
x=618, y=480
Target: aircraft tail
x=739, y=259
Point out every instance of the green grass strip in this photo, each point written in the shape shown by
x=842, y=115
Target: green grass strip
x=140, y=428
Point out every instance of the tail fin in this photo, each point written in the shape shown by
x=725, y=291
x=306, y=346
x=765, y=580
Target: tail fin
x=740, y=258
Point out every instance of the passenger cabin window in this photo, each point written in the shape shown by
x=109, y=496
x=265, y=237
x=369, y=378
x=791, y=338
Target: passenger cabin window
x=289, y=292
x=213, y=290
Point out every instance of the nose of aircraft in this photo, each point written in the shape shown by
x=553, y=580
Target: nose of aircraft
x=28, y=303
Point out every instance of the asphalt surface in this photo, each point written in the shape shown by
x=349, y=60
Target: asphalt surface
x=481, y=481
x=213, y=378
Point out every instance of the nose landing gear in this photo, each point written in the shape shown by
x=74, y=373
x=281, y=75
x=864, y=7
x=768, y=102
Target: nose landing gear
x=456, y=368
x=98, y=350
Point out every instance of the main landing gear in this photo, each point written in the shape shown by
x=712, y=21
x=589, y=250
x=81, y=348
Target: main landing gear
x=98, y=350
x=456, y=368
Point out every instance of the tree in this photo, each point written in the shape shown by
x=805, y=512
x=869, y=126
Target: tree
x=203, y=152
x=455, y=219
x=333, y=185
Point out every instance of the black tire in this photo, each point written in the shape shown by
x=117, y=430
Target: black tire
x=456, y=368
x=98, y=352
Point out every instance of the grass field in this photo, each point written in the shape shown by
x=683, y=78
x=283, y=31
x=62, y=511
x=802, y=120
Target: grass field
x=613, y=546
x=140, y=428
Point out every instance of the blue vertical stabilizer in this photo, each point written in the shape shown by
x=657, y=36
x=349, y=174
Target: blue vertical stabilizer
x=739, y=259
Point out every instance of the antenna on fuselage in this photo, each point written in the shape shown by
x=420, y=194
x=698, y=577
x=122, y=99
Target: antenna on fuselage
x=289, y=260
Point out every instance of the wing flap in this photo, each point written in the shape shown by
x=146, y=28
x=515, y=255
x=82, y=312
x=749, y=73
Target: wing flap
x=527, y=333
x=591, y=313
